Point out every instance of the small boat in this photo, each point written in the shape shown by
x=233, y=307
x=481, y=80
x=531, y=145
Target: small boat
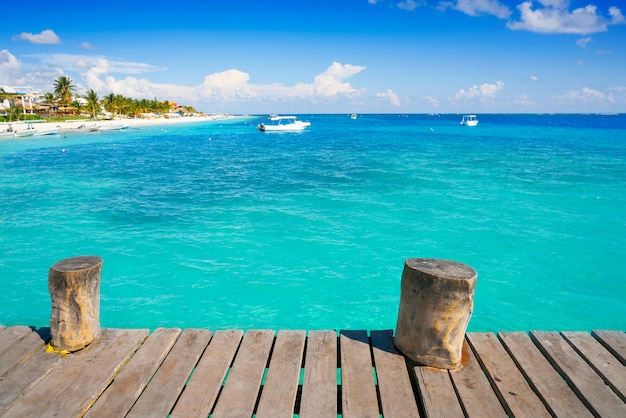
x=24, y=133
x=8, y=132
x=283, y=124
x=353, y=116
x=46, y=131
x=113, y=127
x=82, y=128
x=469, y=120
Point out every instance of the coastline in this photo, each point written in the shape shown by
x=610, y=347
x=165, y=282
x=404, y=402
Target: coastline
x=75, y=124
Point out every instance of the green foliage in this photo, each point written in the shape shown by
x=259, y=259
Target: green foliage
x=116, y=104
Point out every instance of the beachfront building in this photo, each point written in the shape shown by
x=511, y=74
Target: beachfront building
x=23, y=97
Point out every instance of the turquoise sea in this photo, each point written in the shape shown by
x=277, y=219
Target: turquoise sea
x=218, y=225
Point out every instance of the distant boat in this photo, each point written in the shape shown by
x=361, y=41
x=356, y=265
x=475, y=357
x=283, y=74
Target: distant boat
x=113, y=127
x=353, y=116
x=46, y=131
x=283, y=124
x=24, y=133
x=469, y=120
x=82, y=128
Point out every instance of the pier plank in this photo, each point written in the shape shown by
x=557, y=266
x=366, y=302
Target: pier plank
x=319, y=387
x=68, y=390
x=186, y=373
x=165, y=387
x=582, y=378
x=240, y=392
x=203, y=387
x=11, y=336
x=600, y=359
x=21, y=350
x=517, y=396
x=394, y=382
x=614, y=341
x=437, y=393
x=26, y=375
x=473, y=388
x=358, y=392
x=120, y=396
x=558, y=397
x=281, y=383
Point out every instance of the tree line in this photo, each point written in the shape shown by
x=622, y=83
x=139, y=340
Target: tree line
x=63, y=102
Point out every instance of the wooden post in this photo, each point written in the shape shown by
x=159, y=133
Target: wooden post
x=436, y=302
x=74, y=285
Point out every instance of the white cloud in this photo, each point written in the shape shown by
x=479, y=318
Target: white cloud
x=616, y=15
x=582, y=42
x=523, y=100
x=86, y=45
x=9, y=68
x=477, y=7
x=410, y=5
x=554, y=17
x=226, y=86
x=431, y=100
x=229, y=85
x=482, y=92
x=45, y=37
x=390, y=96
x=585, y=94
x=534, y=78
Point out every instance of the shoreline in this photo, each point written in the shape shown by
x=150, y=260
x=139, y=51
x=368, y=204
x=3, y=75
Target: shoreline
x=70, y=125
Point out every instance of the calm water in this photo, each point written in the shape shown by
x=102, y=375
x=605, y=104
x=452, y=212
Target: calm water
x=218, y=225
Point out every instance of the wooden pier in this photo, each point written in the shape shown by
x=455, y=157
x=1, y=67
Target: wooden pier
x=197, y=372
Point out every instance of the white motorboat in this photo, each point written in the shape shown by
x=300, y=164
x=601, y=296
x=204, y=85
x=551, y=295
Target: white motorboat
x=283, y=124
x=24, y=132
x=113, y=127
x=46, y=131
x=353, y=116
x=469, y=120
x=82, y=128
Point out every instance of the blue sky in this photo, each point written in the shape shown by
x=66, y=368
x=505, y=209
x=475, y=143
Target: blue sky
x=340, y=56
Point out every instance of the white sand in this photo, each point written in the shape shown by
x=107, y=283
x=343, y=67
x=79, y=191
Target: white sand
x=73, y=124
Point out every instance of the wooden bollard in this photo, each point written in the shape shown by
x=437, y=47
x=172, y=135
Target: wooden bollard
x=74, y=285
x=436, y=303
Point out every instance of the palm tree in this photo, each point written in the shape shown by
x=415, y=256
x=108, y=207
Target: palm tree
x=14, y=112
x=63, y=88
x=109, y=103
x=92, y=103
x=76, y=105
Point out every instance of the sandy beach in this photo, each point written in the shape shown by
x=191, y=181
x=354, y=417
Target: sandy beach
x=83, y=124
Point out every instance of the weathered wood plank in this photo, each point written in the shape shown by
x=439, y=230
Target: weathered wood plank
x=614, y=341
x=20, y=351
x=71, y=387
x=12, y=335
x=358, y=396
x=394, y=382
x=319, y=387
x=278, y=397
x=474, y=391
x=21, y=379
x=601, y=360
x=542, y=377
x=161, y=394
x=203, y=387
x=509, y=383
x=120, y=396
x=437, y=393
x=241, y=390
x=585, y=382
